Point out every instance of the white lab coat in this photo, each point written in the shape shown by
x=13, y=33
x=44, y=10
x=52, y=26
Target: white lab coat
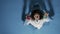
x=37, y=24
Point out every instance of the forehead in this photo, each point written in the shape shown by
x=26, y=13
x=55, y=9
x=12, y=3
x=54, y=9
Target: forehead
x=36, y=13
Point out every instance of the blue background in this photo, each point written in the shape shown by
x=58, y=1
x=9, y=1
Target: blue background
x=11, y=23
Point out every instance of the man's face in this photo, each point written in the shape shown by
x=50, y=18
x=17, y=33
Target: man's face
x=37, y=16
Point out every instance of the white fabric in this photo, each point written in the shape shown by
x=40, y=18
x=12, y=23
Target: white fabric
x=37, y=24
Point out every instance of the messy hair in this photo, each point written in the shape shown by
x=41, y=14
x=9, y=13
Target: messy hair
x=40, y=12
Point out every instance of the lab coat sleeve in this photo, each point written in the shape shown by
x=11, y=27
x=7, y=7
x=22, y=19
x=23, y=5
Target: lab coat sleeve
x=47, y=19
x=27, y=22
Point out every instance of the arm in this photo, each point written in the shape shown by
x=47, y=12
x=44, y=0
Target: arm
x=28, y=20
x=46, y=17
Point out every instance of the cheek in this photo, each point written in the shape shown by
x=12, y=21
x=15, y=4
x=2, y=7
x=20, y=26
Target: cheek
x=34, y=16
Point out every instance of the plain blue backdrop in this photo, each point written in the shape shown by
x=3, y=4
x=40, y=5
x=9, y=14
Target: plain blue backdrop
x=11, y=23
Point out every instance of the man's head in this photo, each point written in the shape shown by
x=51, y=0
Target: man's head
x=37, y=14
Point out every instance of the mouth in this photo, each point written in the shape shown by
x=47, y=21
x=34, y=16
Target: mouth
x=37, y=17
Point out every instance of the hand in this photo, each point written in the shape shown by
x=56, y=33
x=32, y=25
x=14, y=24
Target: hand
x=28, y=17
x=46, y=14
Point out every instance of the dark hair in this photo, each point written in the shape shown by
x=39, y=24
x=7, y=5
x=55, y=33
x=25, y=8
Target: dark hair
x=40, y=12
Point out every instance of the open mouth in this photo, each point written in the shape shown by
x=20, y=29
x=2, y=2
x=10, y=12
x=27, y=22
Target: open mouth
x=37, y=16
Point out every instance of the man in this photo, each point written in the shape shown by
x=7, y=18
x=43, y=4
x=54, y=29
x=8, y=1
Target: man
x=37, y=18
